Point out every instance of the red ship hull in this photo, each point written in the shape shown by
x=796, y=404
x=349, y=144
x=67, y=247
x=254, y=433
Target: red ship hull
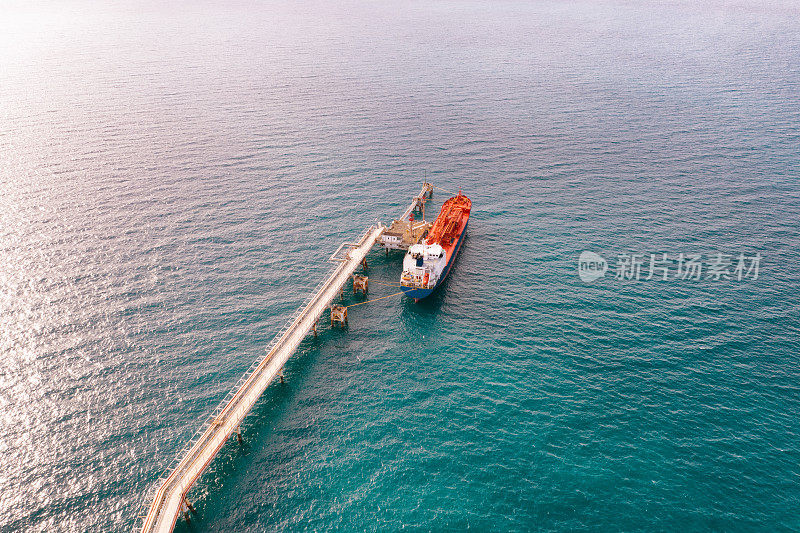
x=448, y=232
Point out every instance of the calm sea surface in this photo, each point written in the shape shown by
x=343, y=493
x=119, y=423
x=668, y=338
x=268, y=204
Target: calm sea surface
x=173, y=177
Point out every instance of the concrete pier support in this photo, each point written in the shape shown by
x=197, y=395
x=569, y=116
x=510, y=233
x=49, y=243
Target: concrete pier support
x=185, y=508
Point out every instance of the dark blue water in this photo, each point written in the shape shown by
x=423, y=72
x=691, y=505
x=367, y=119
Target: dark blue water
x=173, y=178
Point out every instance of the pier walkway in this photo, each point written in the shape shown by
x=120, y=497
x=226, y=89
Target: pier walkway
x=169, y=499
x=419, y=200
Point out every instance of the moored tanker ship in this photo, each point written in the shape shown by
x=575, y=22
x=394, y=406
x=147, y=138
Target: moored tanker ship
x=427, y=264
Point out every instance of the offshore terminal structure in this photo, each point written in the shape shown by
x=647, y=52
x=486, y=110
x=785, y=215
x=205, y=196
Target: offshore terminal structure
x=170, y=500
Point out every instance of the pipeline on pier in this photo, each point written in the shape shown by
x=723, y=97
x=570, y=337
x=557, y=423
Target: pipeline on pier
x=169, y=499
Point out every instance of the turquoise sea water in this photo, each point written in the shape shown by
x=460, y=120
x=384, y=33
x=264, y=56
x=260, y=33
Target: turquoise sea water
x=173, y=177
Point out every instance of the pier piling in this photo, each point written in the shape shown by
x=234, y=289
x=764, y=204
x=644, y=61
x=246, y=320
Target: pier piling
x=360, y=283
x=338, y=315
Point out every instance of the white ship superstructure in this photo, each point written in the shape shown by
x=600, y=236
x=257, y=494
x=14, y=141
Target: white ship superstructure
x=423, y=265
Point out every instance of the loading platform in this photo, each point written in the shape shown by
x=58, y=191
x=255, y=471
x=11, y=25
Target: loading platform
x=170, y=497
x=405, y=231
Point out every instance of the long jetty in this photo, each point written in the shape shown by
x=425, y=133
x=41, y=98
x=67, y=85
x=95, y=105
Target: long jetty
x=170, y=498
